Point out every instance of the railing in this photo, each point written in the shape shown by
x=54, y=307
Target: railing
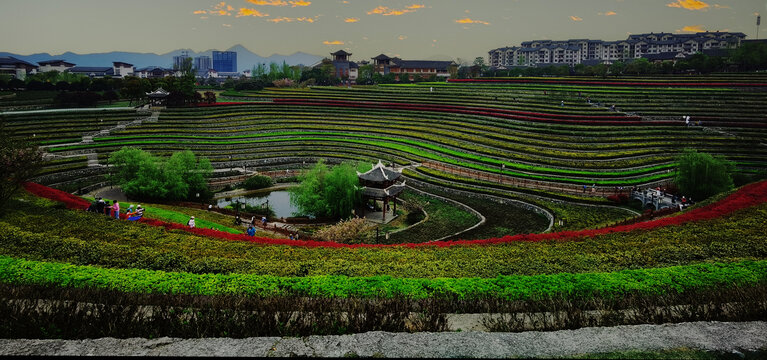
x=595, y=191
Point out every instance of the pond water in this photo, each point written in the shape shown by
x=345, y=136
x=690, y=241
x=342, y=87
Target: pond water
x=278, y=200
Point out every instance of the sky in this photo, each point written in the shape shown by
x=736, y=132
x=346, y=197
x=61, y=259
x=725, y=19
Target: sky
x=412, y=29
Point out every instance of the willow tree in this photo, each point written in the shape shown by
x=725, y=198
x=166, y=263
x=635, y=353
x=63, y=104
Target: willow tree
x=701, y=175
x=328, y=192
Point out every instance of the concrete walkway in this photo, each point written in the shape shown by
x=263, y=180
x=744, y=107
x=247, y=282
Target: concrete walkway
x=734, y=337
x=64, y=110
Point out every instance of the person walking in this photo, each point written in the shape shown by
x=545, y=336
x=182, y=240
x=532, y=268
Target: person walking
x=99, y=205
x=190, y=223
x=93, y=206
x=263, y=221
x=116, y=209
x=251, y=230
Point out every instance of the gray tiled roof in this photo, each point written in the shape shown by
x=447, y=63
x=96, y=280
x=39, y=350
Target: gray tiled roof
x=393, y=190
x=380, y=173
x=10, y=60
x=56, y=61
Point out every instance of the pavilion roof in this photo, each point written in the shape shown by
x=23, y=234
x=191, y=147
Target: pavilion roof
x=380, y=173
x=159, y=92
x=393, y=190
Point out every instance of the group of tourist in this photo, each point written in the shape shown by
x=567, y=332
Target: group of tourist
x=101, y=206
x=688, y=123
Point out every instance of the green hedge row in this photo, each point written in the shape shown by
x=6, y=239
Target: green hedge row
x=676, y=279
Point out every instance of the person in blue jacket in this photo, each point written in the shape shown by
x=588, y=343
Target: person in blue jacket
x=251, y=230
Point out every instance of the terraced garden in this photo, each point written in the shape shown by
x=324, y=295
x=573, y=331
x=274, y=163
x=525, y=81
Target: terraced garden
x=523, y=154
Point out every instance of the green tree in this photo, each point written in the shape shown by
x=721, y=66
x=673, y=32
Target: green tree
x=617, y=68
x=365, y=76
x=143, y=176
x=701, y=175
x=135, y=89
x=20, y=160
x=480, y=62
x=750, y=56
x=328, y=192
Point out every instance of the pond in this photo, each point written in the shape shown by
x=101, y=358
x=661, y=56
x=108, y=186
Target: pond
x=278, y=200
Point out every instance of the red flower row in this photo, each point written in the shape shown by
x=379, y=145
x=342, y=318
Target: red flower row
x=223, y=104
x=624, y=83
x=747, y=196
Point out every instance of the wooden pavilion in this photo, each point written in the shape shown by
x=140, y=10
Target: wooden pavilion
x=157, y=97
x=380, y=183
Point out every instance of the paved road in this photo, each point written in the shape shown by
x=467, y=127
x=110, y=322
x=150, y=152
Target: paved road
x=708, y=336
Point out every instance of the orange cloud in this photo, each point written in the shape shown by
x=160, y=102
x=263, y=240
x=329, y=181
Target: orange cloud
x=300, y=3
x=609, y=13
x=197, y=12
x=471, y=21
x=351, y=20
x=334, y=42
x=721, y=6
x=689, y=4
x=692, y=29
x=287, y=19
x=268, y=2
x=222, y=9
x=575, y=18
x=402, y=37
x=386, y=11
x=250, y=12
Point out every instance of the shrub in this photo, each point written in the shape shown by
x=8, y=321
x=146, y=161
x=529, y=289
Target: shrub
x=619, y=198
x=283, y=83
x=347, y=231
x=258, y=182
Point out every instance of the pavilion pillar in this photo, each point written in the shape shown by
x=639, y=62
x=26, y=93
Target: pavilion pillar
x=395, y=206
x=385, y=202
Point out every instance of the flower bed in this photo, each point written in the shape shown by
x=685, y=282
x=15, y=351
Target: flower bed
x=747, y=196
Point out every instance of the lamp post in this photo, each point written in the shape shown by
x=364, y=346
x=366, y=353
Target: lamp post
x=109, y=173
x=500, y=176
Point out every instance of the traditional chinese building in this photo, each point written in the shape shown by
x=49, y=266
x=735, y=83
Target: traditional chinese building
x=343, y=68
x=408, y=69
x=157, y=97
x=380, y=183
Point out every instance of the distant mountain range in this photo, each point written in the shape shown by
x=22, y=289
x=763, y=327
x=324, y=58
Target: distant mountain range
x=245, y=58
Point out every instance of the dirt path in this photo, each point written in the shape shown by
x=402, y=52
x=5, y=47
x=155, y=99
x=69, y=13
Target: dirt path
x=734, y=337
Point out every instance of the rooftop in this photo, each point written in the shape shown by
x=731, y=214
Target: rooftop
x=380, y=173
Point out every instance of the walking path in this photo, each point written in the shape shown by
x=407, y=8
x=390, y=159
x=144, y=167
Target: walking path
x=63, y=110
x=93, y=160
x=727, y=337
